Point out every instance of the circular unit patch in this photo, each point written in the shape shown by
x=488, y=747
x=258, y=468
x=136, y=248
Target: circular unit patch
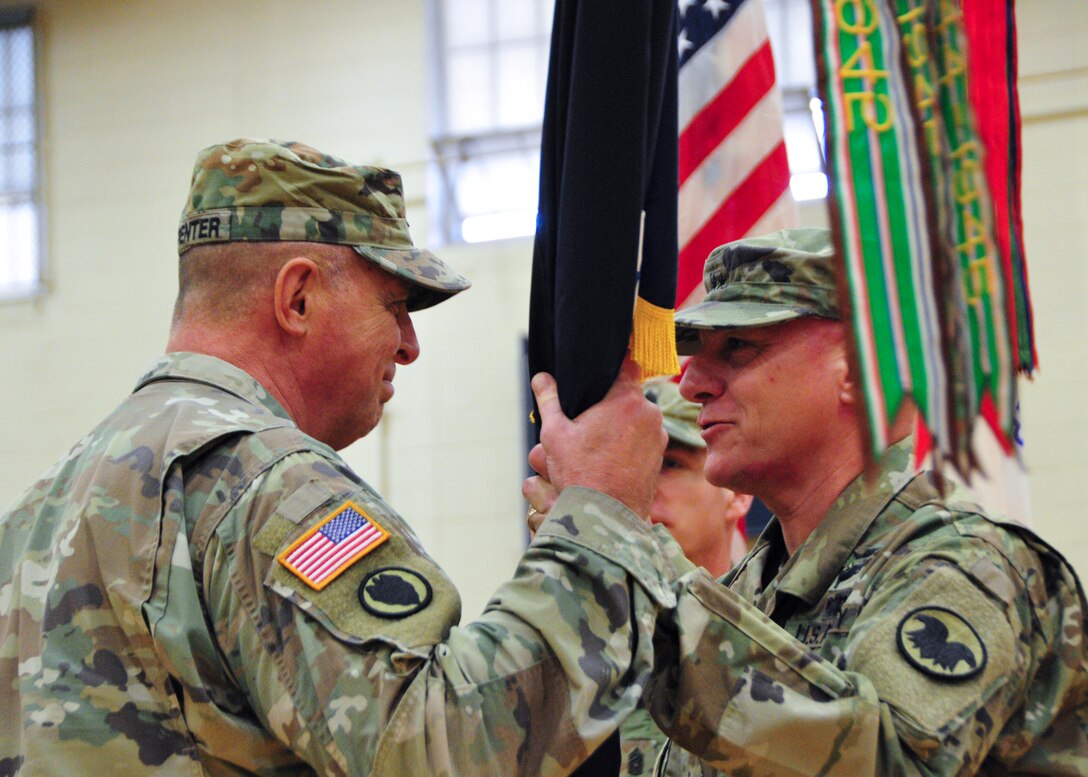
x=394, y=592
x=941, y=643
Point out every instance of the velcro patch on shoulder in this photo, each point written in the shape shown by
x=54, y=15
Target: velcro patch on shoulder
x=941, y=643
x=337, y=605
x=332, y=545
x=927, y=660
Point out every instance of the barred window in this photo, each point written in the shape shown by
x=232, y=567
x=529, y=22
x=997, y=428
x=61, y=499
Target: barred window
x=489, y=69
x=20, y=228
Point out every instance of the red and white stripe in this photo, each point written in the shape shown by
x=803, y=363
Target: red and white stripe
x=734, y=172
x=318, y=557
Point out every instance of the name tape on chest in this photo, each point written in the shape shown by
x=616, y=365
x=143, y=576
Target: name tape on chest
x=339, y=540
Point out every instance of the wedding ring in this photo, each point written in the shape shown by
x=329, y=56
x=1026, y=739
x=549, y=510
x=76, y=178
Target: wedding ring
x=533, y=519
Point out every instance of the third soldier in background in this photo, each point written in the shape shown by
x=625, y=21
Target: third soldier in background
x=704, y=518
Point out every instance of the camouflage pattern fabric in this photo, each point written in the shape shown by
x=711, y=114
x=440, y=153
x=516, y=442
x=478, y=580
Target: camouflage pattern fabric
x=146, y=625
x=764, y=280
x=910, y=634
x=641, y=740
x=679, y=416
x=250, y=189
x=641, y=746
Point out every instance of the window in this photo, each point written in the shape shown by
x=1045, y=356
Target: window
x=20, y=244
x=789, y=24
x=490, y=70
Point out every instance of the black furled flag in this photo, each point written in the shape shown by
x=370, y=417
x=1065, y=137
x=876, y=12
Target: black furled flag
x=606, y=223
x=608, y=156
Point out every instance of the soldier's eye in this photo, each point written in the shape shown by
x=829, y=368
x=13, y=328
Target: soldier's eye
x=738, y=344
x=739, y=351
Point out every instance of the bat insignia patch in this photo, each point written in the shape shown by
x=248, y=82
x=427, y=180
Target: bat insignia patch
x=941, y=643
x=394, y=592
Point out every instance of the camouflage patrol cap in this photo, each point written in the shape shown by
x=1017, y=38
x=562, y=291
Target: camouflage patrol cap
x=763, y=280
x=678, y=416
x=265, y=190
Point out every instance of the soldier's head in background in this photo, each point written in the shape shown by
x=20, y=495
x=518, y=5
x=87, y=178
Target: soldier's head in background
x=704, y=518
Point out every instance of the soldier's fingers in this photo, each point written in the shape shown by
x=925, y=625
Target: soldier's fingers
x=630, y=372
x=539, y=493
x=533, y=519
x=538, y=460
x=547, y=397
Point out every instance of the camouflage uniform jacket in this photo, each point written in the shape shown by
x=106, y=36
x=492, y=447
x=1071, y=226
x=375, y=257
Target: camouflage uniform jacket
x=640, y=742
x=908, y=635
x=147, y=625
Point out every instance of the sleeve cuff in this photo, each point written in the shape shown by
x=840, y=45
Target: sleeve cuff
x=599, y=523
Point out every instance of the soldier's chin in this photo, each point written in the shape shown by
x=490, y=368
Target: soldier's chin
x=372, y=421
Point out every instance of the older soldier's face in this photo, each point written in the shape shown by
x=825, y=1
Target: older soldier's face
x=369, y=333
x=769, y=396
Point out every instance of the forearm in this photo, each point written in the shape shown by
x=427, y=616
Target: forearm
x=742, y=693
x=562, y=652
x=557, y=660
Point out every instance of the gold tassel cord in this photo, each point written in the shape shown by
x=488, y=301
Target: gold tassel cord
x=653, y=340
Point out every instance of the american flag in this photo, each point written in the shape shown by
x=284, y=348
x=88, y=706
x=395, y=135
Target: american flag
x=734, y=173
x=332, y=546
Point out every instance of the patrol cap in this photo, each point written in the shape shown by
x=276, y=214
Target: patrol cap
x=759, y=281
x=265, y=190
x=679, y=417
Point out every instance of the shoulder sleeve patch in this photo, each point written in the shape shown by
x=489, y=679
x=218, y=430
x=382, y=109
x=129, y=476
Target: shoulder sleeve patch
x=941, y=643
x=332, y=545
x=925, y=659
x=394, y=592
x=412, y=608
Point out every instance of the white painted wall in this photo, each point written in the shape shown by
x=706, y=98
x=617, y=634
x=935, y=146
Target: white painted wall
x=1054, y=105
x=132, y=89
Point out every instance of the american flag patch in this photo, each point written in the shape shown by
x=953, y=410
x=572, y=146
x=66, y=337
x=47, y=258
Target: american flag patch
x=326, y=550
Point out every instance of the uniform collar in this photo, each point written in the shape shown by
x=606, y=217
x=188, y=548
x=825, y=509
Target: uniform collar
x=809, y=572
x=214, y=372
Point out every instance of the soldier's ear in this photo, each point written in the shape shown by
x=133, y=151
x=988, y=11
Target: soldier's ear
x=848, y=387
x=293, y=295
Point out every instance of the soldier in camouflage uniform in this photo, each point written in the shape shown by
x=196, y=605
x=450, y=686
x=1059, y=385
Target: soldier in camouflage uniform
x=703, y=518
x=880, y=625
x=201, y=585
